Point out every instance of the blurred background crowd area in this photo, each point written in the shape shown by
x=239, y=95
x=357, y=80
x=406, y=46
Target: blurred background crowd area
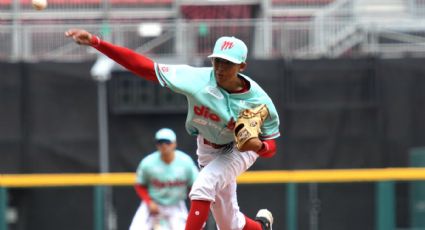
x=184, y=30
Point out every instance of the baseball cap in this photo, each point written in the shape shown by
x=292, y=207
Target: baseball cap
x=231, y=49
x=165, y=134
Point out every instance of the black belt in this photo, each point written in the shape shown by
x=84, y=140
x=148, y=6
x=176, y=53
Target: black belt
x=214, y=145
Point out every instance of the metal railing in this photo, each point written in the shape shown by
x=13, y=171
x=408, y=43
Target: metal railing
x=334, y=29
x=333, y=26
x=193, y=41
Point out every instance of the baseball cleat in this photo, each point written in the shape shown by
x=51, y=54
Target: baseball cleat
x=265, y=217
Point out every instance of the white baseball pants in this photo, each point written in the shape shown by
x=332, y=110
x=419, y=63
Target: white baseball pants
x=169, y=218
x=216, y=182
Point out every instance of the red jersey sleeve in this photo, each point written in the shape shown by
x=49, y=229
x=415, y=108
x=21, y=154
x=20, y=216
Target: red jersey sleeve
x=135, y=62
x=143, y=193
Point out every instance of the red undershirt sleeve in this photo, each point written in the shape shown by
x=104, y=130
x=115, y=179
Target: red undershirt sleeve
x=135, y=62
x=143, y=193
x=268, y=150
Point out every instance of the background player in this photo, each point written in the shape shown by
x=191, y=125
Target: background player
x=163, y=179
x=216, y=96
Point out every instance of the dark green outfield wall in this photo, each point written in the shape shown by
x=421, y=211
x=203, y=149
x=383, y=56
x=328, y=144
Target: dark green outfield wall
x=359, y=113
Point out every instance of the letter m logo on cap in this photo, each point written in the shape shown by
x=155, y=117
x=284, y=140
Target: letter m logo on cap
x=226, y=45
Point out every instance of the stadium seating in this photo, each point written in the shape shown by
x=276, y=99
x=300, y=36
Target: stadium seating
x=159, y=2
x=94, y=2
x=301, y=2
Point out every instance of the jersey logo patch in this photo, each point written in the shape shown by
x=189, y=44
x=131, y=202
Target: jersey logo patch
x=226, y=45
x=204, y=111
x=200, y=121
x=214, y=92
x=247, y=104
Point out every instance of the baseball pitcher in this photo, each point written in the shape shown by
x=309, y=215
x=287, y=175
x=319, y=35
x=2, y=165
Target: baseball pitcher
x=233, y=118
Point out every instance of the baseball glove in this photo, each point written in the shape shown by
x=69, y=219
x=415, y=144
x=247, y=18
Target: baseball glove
x=249, y=124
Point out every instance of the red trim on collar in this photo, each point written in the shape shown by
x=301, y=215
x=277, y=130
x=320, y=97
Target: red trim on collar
x=245, y=87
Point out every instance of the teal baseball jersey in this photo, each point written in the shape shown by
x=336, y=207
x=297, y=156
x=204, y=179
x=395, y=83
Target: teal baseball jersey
x=167, y=183
x=212, y=111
